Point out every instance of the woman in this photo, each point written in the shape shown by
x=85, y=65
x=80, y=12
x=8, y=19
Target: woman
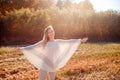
x=50, y=54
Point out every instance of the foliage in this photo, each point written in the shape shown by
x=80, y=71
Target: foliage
x=72, y=20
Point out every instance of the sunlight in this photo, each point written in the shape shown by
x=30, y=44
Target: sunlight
x=102, y=5
x=105, y=4
x=77, y=1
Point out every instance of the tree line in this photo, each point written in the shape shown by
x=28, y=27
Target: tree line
x=70, y=20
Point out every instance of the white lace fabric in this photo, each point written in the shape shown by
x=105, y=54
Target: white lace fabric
x=53, y=56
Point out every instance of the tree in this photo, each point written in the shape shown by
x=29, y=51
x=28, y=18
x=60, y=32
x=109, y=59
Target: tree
x=67, y=3
x=44, y=4
x=86, y=5
x=59, y=4
x=10, y=5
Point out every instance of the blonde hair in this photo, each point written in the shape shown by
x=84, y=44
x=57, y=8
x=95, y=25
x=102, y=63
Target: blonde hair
x=45, y=36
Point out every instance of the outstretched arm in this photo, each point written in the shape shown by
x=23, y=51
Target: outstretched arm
x=84, y=39
x=17, y=48
x=30, y=46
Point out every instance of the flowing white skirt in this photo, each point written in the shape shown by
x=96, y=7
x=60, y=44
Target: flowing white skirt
x=53, y=56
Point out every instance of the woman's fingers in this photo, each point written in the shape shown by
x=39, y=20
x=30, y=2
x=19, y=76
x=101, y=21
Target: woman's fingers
x=85, y=39
x=17, y=49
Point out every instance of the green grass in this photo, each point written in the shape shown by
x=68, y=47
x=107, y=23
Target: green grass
x=99, y=61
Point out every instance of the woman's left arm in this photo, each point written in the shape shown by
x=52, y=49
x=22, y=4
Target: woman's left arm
x=31, y=46
x=83, y=40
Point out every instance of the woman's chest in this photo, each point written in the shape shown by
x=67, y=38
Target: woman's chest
x=52, y=47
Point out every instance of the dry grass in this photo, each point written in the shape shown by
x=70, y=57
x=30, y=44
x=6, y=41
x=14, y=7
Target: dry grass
x=90, y=62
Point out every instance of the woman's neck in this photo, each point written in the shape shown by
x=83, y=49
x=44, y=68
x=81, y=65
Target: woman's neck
x=51, y=39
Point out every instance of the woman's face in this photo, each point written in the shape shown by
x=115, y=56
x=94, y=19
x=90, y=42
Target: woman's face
x=50, y=33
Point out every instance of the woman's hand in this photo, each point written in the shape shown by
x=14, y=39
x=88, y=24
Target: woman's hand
x=17, y=48
x=84, y=39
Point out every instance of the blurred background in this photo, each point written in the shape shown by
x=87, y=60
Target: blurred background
x=23, y=21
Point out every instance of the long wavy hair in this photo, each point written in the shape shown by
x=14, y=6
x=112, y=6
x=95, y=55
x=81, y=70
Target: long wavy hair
x=45, y=36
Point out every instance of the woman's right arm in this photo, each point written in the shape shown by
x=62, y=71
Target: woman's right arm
x=29, y=46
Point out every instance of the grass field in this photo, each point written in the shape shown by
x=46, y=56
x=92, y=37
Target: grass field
x=99, y=61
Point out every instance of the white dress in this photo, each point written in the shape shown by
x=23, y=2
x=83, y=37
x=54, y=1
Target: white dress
x=53, y=56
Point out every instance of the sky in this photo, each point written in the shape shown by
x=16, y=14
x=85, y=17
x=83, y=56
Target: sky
x=103, y=5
